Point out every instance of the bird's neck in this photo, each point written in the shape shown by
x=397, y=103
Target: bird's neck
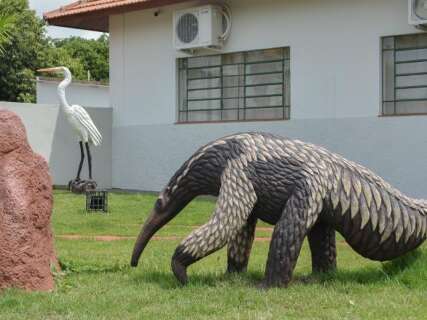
x=61, y=91
x=63, y=99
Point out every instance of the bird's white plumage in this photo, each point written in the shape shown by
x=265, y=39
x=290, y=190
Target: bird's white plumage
x=84, y=125
x=76, y=115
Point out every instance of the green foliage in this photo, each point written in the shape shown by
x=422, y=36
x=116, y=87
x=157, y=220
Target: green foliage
x=6, y=23
x=26, y=42
x=26, y=48
x=92, y=54
x=84, y=57
x=55, y=57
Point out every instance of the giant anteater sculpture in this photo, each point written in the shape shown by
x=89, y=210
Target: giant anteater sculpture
x=303, y=189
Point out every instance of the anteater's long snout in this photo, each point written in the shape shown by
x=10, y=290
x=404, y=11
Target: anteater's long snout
x=154, y=222
x=160, y=215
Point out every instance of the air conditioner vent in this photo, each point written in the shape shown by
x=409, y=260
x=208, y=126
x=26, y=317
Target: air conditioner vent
x=418, y=13
x=420, y=9
x=187, y=28
x=201, y=27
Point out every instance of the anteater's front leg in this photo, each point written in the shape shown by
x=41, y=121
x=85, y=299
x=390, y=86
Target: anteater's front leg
x=234, y=205
x=288, y=236
x=323, y=248
x=239, y=247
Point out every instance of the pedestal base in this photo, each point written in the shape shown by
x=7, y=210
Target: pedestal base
x=81, y=186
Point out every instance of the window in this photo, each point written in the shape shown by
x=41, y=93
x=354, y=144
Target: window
x=404, y=74
x=239, y=86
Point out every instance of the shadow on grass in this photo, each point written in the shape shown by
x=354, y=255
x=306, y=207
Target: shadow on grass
x=409, y=270
x=69, y=267
x=166, y=280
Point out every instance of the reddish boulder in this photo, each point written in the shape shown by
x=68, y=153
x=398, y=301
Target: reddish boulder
x=26, y=242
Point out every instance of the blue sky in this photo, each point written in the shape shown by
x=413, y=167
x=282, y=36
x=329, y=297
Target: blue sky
x=41, y=6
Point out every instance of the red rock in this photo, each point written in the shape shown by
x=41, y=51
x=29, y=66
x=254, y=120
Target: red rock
x=26, y=242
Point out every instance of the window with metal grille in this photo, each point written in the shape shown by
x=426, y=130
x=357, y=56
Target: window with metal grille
x=404, y=60
x=253, y=85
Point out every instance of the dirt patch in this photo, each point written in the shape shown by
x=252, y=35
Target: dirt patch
x=108, y=238
x=96, y=238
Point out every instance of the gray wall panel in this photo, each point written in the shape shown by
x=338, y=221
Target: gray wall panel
x=39, y=121
x=84, y=94
x=145, y=157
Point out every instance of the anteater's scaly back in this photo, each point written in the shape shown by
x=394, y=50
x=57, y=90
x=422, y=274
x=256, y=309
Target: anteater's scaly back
x=376, y=219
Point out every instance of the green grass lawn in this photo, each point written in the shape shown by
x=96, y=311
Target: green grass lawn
x=97, y=282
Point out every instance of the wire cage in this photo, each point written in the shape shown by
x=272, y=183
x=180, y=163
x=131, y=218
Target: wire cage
x=97, y=201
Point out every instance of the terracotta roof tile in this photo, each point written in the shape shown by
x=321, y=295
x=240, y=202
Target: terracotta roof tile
x=93, y=14
x=79, y=7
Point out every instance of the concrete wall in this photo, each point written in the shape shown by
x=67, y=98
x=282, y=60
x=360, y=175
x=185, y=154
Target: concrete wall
x=87, y=94
x=52, y=137
x=395, y=148
x=40, y=123
x=335, y=88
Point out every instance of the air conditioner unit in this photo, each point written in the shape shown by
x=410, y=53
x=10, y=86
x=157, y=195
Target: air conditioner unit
x=418, y=13
x=200, y=27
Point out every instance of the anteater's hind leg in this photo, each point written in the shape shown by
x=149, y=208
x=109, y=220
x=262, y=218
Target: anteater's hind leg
x=288, y=236
x=239, y=248
x=323, y=247
x=234, y=205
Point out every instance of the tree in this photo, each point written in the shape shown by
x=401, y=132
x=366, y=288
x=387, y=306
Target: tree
x=55, y=57
x=93, y=54
x=27, y=48
x=27, y=41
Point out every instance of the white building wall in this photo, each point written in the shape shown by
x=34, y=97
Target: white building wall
x=335, y=55
x=84, y=94
x=335, y=87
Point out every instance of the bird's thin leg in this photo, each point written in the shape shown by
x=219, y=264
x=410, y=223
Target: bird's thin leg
x=89, y=160
x=82, y=158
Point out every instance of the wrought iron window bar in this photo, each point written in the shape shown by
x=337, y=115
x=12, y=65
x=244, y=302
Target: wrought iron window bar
x=399, y=75
x=242, y=75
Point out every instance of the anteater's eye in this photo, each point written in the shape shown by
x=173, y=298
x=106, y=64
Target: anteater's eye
x=158, y=205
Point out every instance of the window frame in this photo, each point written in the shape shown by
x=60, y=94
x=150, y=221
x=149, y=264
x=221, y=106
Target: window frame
x=396, y=87
x=285, y=73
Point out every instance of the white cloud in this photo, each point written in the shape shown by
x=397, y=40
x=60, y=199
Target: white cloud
x=41, y=6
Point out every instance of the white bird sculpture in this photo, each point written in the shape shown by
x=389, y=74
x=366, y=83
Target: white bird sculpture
x=79, y=119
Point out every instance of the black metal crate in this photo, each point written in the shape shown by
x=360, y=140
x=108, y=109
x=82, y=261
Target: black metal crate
x=97, y=201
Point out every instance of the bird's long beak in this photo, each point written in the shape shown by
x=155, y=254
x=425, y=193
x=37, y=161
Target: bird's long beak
x=50, y=70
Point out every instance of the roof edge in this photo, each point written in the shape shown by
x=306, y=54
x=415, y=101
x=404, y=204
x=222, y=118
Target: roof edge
x=90, y=16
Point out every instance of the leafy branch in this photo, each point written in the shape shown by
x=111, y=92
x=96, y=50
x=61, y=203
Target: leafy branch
x=6, y=23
